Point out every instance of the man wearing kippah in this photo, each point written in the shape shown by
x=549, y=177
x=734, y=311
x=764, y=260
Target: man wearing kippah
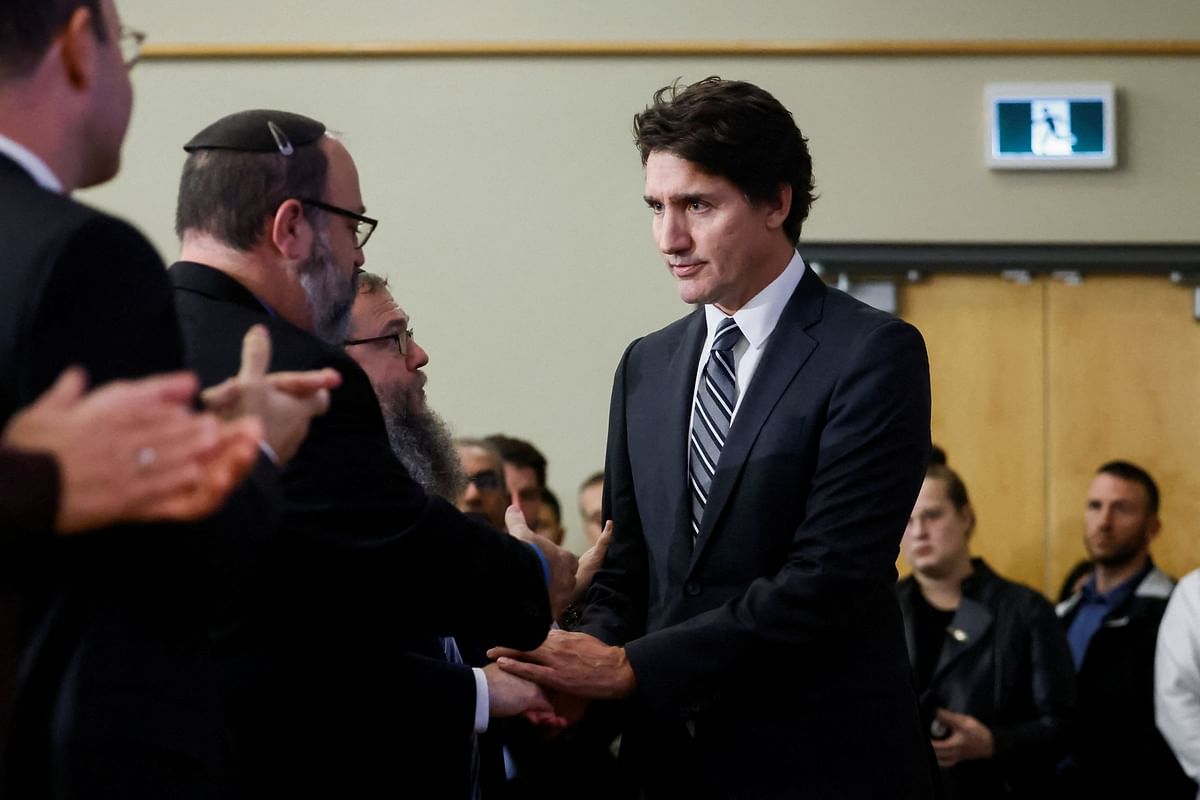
x=331, y=683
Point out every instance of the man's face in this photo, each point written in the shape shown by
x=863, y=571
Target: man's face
x=111, y=104
x=525, y=490
x=485, y=491
x=396, y=377
x=590, y=508
x=548, y=525
x=935, y=539
x=330, y=275
x=721, y=248
x=1119, y=525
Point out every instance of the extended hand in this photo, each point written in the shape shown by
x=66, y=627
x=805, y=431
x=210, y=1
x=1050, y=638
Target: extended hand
x=562, y=562
x=591, y=562
x=134, y=451
x=286, y=402
x=509, y=696
x=969, y=739
x=573, y=663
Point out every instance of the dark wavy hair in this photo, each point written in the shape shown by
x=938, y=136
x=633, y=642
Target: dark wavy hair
x=735, y=130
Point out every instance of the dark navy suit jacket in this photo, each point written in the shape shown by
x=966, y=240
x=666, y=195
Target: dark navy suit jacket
x=769, y=658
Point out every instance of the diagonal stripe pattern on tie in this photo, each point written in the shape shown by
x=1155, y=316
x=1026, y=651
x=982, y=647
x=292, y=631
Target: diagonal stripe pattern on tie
x=712, y=413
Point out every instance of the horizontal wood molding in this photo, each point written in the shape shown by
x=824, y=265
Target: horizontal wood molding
x=603, y=49
x=1117, y=258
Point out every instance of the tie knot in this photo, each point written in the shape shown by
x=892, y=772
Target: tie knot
x=727, y=335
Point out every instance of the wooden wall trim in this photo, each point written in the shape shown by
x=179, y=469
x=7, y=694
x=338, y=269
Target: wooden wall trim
x=601, y=49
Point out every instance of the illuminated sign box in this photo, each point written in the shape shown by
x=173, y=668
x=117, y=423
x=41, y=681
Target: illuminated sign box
x=1051, y=125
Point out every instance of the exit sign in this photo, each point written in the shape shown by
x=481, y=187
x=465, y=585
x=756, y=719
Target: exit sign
x=1051, y=125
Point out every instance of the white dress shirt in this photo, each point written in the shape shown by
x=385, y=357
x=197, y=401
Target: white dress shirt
x=1177, y=675
x=756, y=320
x=36, y=168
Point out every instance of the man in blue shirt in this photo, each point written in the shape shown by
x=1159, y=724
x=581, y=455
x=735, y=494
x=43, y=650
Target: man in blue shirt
x=1111, y=625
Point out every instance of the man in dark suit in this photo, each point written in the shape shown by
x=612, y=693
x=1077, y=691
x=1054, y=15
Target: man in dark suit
x=112, y=695
x=764, y=453
x=330, y=685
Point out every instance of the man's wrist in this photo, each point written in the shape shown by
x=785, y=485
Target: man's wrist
x=269, y=452
x=482, y=700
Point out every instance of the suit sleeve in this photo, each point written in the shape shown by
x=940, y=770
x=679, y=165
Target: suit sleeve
x=363, y=522
x=839, y=573
x=616, y=601
x=29, y=486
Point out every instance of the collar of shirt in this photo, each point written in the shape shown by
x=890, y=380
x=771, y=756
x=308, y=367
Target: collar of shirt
x=1115, y=596
x=36, y=168
x=756, y=320
x=759, y=316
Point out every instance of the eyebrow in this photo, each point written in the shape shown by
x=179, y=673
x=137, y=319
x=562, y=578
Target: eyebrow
x=691, y=197
x=396, y=325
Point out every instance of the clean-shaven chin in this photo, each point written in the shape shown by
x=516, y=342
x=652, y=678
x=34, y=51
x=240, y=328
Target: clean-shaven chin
x=688, y=278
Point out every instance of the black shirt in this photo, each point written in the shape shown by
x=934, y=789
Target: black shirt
x=929, y=627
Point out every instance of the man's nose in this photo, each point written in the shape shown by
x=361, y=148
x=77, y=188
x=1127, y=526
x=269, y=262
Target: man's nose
x=673, y=235
x=417, y=357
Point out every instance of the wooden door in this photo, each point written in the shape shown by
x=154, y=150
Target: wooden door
x=1037, y=384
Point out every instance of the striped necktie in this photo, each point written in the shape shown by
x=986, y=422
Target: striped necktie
x=716, y=396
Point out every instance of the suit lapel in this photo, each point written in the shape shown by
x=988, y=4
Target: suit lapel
x=787, y=350
x=676, y=401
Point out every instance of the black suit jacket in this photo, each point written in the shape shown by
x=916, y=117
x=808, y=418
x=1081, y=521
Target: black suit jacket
x=770, y=658
x=115, y=696
x=326, y=648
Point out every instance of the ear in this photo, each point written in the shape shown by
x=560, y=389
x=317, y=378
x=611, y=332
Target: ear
x=1153, y=526
x=779, y=207
x=290, y=231
x=77, y=45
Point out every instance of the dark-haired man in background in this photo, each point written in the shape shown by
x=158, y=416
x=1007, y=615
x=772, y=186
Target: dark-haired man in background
x=1112, y=626
x=524, y=474
x=764, y=453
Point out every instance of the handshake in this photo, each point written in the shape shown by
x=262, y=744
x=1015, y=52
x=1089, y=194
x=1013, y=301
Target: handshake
x=552, y=685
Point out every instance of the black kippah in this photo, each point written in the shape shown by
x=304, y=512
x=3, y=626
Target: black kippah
x=258, y=131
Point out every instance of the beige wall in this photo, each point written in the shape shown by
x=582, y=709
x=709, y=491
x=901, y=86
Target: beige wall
x=509, y=192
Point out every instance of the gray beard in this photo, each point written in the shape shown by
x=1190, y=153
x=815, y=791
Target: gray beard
x=425, y=446
x=330, y=298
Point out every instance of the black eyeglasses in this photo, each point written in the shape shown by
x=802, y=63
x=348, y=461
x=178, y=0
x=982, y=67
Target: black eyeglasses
x=362, y=230
x=486, y=481
x=403, y=340
x=130, y=42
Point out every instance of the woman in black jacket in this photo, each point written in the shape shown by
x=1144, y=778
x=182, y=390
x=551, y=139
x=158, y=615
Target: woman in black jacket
x=991, y=665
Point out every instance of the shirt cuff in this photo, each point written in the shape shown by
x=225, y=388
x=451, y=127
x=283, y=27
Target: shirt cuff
x=481, y=700
x=545, y=564
x=269, y=452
